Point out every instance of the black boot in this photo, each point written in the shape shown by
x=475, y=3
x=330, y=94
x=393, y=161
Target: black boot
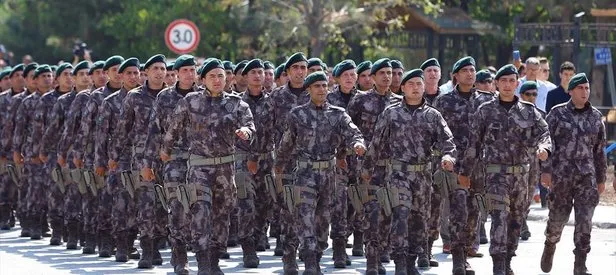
x=498, y=264
x=339, y=253
x=90, y=245
x=36, y=227
x=459, y=267
x=401, y=265
x=290, y=263
x=423, y=261
x=508, y=269
x=203, y=262
x=483, y=237
x=432, y=261
x=525, y=234
x=82, y=235
x=579, y=266
x=410, y=265
x=25, y=226
x=214, y=267
x=310, y=262
x=121, y=255
x=157, y=259
x=180, y=260
x=262, y=242
x=224, y=255
x=44, y=225
x=5, y=216
x=358, y=244
x=232, y=240
x=547, y=257
x=278, y=251
x=106, y=244
x=133, y=253
x=249, y=252
x=372, y=258
x=73, y=235
x=147, y=247
x=57, y=231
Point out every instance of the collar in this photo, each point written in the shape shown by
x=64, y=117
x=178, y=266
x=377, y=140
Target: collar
x=407, y=107
x=570, y=105
x=325, y=106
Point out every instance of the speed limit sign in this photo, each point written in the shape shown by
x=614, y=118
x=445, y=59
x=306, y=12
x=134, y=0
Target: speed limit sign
x=182, y=36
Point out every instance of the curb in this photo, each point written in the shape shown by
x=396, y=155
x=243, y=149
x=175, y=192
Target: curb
x=597, y=224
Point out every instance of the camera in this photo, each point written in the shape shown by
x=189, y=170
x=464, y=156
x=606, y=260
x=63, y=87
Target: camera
x=80, y=48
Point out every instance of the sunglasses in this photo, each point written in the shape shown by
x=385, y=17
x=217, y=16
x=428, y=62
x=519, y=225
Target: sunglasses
x=530, y=94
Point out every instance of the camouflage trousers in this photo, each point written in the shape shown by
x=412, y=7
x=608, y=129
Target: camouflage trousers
x=287, y=221
x=477, y=188
x=210, y=219
x=123, y=208
x=8, y=191
x=340, y=204
x=102, y=212
x=178, y=221
x=433, y=223
x=506, y=224
x=253, y=200
x=408, y=230
x=151, y=216
x=36, y=197
x=89, y=207
x=72, y=204
x=312, y=212
x=570, y=189
x=458, y=217
x=55, y=197
x=533, y=179
x=374, y=218
x=21, y=210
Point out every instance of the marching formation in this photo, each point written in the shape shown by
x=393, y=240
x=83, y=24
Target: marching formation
x=203, y=157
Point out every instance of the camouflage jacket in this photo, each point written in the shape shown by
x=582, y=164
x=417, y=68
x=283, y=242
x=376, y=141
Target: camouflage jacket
x=284, y=100
x=43, y=116
x=73, y=123
x=209, y=123
x=262, y=109
x=7, y=115
x=57, y=119
x=23, y=140
x=365, y=108
x=106, y=123
x=340, y=99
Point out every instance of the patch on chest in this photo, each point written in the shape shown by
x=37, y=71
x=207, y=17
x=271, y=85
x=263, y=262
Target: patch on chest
x=229, y=107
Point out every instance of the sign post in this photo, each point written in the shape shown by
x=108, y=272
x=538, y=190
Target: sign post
x=603, y=56
x=182, y=36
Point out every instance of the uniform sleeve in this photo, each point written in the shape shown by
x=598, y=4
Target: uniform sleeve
x=70, y=127
x=38, y=127
x=350, y=132
x=52, y=131
x=599, y=157
x=287, y=143
x=154, y=138
x=122, y=138
x=246, y=119
x=102, y=135
x=380, y=139
x=7, y=130
x=177, y=123
x=552, y=122
x=541, y=132
x=20, y=124
x=471, y=155
x=444, y=139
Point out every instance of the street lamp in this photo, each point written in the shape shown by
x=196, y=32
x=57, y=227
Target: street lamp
x=577, y=36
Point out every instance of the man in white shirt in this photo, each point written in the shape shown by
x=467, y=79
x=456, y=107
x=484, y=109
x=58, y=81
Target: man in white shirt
x=544, y=73
x=532, y=73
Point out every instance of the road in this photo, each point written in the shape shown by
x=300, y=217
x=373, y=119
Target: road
x=23, y=256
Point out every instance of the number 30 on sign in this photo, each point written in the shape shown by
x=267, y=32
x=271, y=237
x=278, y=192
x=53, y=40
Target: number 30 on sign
x=182, y=36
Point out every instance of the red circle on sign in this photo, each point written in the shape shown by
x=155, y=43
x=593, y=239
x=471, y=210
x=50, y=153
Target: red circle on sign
x=194, y=42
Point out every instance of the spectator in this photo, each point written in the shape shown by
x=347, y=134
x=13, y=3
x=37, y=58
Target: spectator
x=544, y=74
x=522, y=71
x=560, y=94
x=27, y=59
x=532, y=73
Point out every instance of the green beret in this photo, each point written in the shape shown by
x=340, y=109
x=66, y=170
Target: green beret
x=380, y=64
x=410, y=74
x=577, y=80
x=5, y=72
x=482, y=76
x=131, y=62
x=268, y=65
x=155, y=59
x=506, y=70
x=112, y=61
x=29, y=68
x=528, y=85
x=19, y=67
x=184, y=60
x=366, y=65
x=278, y=71
x=253, y=64
x=228, y=65
x=343, y=66
x=83, y=65
x=41, y=70
x=315, y=61
x=296, y=57
x=314, y=77
x=54, y=68
x=169, y=66
x=463, y=62
x=396, y=64
x=210, y=65
x=429, y=63
x=63, y=67
x=240, y=66
x=97, y=65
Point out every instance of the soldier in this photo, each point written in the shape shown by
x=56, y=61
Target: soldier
x=457, y=108
x=280, y=76
x=364, y=110
x=143, y=75
x=43, y=115
x=397, y=69
x=229, y=74
x=346, y=77
x=575, y=173
x=5, y=83
x=8, y=189
x=239, y=85
x=70, y=187
x=364, y=81
x=484, y=81
x=97, y=75
x=285, y=98
x=313, y=133
x=501, y=131
x=171, y=76
x=7, y=144
x=130, y=135
x=432, y=74
x=315, y=64
x=98, y=213
x=174, y=171
x=409, y=165
x=122, y=212
x=268, y=81
x=211, y=120
x=25, y=153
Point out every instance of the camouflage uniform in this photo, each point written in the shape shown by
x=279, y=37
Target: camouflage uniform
x=34, y=172
x=409, y=133
x=98, y=211
x=123, y=207
x=8, y=190
x=458, y=109
x=284, y=99
x=174, y=171
x=534, y=175
x=499, y=137
x=130, y=136
x=209, y=124
x=71, y=198
x=313, y=133
x=577, y=165
x=9, y=117
x=364, y=110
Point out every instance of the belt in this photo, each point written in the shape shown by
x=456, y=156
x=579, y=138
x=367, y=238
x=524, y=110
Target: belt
x=244, y=156
x=179, y=156
x=316, y=165
x=404, y=167
x=196, y=160
x=507, y=169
